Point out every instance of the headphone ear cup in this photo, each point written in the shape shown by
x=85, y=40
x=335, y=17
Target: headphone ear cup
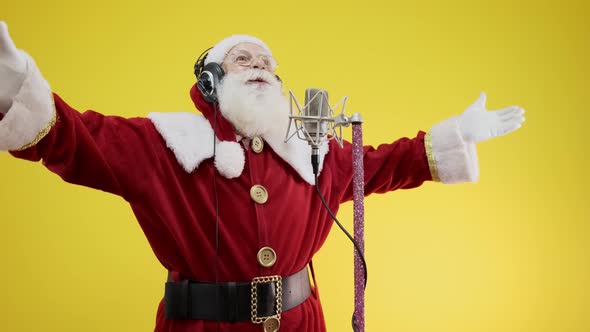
x=215, y=69
x=208, y=80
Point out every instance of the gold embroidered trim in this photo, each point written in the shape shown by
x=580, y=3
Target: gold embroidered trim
x=43, y=131
x=430, y=155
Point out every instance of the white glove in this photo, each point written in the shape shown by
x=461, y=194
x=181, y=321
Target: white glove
x=477, y=125
x=13, y=67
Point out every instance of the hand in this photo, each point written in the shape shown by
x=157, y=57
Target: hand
x=13, y=67
x=477, y=124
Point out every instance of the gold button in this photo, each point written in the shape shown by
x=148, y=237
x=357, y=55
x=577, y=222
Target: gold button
x=259, y=194
x=257, y=144
x=267, y=257
x=271, y=324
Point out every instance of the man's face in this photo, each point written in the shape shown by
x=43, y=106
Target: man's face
x=245, y=56
x=250, y=96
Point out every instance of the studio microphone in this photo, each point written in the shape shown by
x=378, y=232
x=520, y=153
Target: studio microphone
x=316, y=112
x=315, y=122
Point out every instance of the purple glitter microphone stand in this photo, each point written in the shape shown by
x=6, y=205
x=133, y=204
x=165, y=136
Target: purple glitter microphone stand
x=358, y=193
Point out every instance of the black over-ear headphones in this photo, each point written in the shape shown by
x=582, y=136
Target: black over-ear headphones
x=208, y=77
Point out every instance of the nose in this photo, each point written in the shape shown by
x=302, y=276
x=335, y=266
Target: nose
x=258, y=63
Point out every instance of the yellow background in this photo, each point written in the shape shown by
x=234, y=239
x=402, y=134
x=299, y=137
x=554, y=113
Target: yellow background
x=511, y=253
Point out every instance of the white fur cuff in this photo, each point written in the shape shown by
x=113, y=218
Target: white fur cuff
x=451, y=159
x=32, y=113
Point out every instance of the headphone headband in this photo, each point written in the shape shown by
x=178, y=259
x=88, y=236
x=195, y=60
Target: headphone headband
x=198, y=69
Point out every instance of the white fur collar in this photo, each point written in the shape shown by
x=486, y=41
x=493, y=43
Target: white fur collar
x=190, y=137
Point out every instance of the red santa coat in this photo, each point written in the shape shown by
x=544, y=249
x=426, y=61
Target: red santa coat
x=163, y=167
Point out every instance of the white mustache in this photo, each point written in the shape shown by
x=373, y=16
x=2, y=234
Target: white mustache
x=255, y=74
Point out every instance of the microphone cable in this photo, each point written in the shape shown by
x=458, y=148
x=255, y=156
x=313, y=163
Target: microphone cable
x=356, y=245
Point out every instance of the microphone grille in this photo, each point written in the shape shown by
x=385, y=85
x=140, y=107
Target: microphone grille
x=316, y=102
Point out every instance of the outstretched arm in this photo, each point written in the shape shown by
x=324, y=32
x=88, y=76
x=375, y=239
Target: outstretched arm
x=109, y=153
x=446, y=154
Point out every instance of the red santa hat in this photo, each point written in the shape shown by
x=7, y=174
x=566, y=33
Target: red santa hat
x=219, y=51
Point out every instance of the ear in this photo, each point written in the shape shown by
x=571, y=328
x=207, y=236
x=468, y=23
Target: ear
x=223, y=66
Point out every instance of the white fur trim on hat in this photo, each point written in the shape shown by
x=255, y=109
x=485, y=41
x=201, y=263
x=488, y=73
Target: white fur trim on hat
x=229, y=159
x=218, y=52
x=190, y=137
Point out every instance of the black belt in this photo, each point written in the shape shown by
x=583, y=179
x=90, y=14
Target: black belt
x=237, y=302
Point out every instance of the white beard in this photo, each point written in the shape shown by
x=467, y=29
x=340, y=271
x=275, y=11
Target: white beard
x=253, y=109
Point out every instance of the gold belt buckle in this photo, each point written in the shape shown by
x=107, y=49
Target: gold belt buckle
x=254, y=298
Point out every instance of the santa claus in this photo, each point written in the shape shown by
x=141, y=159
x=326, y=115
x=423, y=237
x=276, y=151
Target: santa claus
x=239, y=263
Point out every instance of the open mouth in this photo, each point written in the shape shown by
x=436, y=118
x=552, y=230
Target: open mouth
x=257, y=81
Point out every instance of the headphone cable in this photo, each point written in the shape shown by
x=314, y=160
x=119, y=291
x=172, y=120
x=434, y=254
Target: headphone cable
x=216, y=217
